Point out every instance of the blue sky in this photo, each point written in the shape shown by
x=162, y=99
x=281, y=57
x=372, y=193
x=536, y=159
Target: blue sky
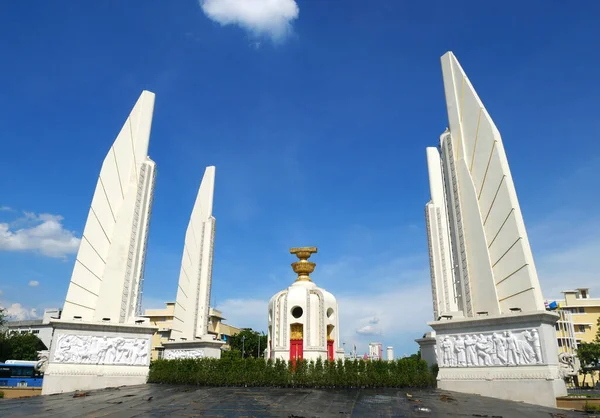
x=316, y=115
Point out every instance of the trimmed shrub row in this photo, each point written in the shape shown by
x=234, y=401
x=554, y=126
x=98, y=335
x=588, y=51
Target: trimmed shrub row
x=406, y=372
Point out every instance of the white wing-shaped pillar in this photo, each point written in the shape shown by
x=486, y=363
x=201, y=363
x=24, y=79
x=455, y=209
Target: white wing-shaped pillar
x=444, y=294
x=107, y=277
x=190, y=319
x=493, y=263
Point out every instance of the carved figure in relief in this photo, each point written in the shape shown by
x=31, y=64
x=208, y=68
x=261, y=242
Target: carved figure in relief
x=569, y=365
x=491, y=350
x=446, y=352
x=527, y=352
x=512, y=349
x=534, y=339
x=471, y=351
x=141, y=354
x=500, y=346
x=459, y=348
x=482, y=351
x=102, y=347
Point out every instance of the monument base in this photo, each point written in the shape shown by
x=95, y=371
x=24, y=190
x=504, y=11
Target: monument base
x=192, y=349
x=427, y=346
x=87, y=355
x=510, y=356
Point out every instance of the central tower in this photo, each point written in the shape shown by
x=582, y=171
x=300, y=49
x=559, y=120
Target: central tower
x=303, y=319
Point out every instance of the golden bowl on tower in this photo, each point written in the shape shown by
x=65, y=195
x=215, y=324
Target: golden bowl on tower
x=303, y=267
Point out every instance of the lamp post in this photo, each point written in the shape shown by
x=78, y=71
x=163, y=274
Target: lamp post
x=243, y=345
x=258, y=351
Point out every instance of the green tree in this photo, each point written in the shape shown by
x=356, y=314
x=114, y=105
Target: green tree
x=20, y=347
x=247, y=342
x=588, y=353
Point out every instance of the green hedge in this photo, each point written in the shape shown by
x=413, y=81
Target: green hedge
x=404, y=372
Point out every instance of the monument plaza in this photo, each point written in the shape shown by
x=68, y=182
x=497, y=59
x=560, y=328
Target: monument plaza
x=492, y=336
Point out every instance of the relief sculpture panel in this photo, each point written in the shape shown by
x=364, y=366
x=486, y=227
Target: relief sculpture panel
x=178, y=354
x=93, y=349
x=499, y=348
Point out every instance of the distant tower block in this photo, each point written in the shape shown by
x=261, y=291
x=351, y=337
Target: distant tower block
x=190, y=337
x=488, y=307
x=390, y=354
x=303, y=320
x=100, y=341
x=106, y=284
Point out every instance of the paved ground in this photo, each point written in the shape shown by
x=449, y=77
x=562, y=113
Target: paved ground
x=185, y=401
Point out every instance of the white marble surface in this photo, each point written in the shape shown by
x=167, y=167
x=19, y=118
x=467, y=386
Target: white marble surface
x=319, y=310
x=512, y=356
x=480, y=256
x=86, y=356
x=195, y=278
x=193, y=349
x=107, y=276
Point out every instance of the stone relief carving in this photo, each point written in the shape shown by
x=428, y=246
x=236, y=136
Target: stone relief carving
x=93, y=349
x=569, y=365
x=500, y=348
x=177, y=354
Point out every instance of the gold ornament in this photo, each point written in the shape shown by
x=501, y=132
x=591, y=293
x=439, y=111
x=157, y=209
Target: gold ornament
x=303, y=267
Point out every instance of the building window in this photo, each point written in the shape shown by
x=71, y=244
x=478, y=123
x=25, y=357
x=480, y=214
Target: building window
x=580, y=328
x=582, y=310
x=584, y=294
x=35, y=331
x=297, y=312
x=560, y=342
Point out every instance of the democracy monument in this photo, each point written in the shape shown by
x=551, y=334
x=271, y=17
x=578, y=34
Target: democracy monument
x=189, y=336
x=493, y=335
x=303, y=321
x=101, y=340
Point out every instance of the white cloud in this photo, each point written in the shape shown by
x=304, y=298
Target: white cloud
x=271, y=18
x=18, y=312
x=245, y=313
x=5, y=209
x=34, y=283
x=369, y=330
x=44, y=233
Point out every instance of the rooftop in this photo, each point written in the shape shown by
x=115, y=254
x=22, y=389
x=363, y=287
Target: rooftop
x=167, y=400
x=26, y=323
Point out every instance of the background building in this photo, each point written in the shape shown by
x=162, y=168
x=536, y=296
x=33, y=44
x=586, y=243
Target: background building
x=163, y=319
x=584, y=311
x=40, y=327
x=375, y=351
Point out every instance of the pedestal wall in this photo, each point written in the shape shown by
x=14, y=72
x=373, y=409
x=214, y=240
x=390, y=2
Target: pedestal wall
x=85, y=356
x=192, y=349
x=512, y=356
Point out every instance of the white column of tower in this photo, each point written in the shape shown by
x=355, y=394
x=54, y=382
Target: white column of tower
x=493, y=260
x=445, y=298
x=190, y=319
x=108, y=272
